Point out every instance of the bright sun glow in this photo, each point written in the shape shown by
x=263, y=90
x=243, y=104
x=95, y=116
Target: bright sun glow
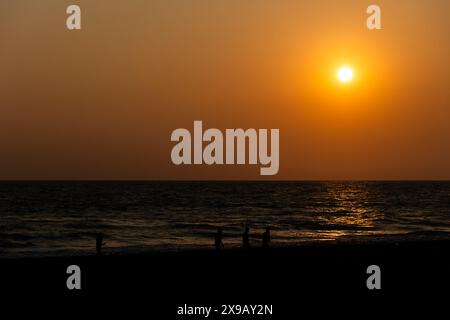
x=345, y=74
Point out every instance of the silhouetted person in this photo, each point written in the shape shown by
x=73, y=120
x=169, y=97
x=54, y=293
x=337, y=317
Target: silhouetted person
x=266, y=238
x=99, y=243
x=246, y=238
x=218, y=239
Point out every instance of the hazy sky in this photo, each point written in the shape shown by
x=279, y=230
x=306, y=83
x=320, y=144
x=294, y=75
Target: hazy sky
x=101, y=103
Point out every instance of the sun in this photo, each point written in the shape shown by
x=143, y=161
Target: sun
x=345, y=74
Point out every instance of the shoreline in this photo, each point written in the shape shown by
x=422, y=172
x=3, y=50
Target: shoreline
x=320, y=248
x=419, y=238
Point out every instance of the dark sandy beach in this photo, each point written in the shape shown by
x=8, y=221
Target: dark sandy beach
x=283, y=277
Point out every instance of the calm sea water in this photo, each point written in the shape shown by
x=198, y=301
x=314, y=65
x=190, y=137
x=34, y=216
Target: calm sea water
x=53, y=218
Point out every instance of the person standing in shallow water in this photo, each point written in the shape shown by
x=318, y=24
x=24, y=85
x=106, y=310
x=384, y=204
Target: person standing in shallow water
x=99, y=243
x=246, y=238
x=218, y=239
x=266, y=238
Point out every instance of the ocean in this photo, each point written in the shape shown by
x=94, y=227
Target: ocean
x=62, y=218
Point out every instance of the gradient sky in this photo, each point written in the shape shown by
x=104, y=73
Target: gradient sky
x=101, y=103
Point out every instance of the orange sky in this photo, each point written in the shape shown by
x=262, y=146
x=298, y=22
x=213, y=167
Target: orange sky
x=101, y=103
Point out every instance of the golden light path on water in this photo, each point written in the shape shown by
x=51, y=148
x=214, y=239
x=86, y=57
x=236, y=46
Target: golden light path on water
x=348, y=215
